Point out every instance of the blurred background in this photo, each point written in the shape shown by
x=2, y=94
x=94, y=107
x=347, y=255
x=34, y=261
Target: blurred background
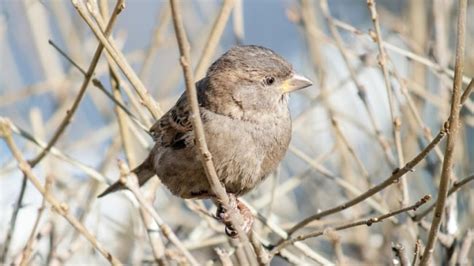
x=344, y=139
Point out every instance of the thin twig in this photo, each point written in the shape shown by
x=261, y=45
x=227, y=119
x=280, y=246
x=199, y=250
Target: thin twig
x=452, y=129
x=416, y=252
x=131, y=182
x=467, y=91
x=367, y=222
x=400, y=253
x=463, y=256
x=206, y=157
x=61, y=208
x=214, y=37
x=224, y=257
x=387, y=182
x=420, y=59
x=335, y=239
x=396, y=121
x=12, y=224
x=157, y=39
x=361, y=90
x=28, y=250
x=98, y=84
x=339, y=180
x=88, y=76
x=262, y=255
x=455, y=187
x=151, y=105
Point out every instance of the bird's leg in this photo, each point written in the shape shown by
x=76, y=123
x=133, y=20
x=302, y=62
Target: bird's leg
x=224, y=215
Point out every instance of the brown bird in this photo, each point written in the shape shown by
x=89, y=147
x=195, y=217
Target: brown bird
x=244, y=108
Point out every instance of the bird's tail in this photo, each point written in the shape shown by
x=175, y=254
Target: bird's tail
x=144, y=172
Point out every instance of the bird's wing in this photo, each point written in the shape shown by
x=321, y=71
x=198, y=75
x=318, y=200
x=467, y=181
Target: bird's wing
x=174, y=129
x=171, y=128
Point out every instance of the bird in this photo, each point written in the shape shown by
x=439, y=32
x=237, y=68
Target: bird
x=243, y=103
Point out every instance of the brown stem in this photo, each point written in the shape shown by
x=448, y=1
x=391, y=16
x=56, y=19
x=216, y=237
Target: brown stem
x=88, y=77
x=456, y=186
x=367, y=222
x=121, y=62
x=452, y=129
x=60, y=208
x=206, y=157
x=214, y=37
x=396, y=121
x=131, y=182
x=389, y=181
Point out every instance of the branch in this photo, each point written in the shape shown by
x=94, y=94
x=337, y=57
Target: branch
x=130, y=181
x=393, y=178
x=400, y=254
x=206, y=157
x=214, y=37
x=396, y=121
x=416, y=251
x=389, y=181
x=361, y=90
x=456, y=186
x=63, y=125
x=121, y=62
x=59, y=207
x=98, y=84
x=88, y=76
x=463, y=257
x=452, y=130
x=367, y=222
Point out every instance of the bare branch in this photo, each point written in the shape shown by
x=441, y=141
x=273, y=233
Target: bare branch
x=367, y=222
x=61, y=208
x=452, y=129
x=205, y=155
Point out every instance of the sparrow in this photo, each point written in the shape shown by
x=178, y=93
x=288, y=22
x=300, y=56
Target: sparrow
x=243, y=103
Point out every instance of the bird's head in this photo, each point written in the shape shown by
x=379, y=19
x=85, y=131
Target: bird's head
x=252, y=79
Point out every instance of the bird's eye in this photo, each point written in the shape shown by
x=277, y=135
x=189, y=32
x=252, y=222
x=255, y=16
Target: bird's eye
x=269, y=80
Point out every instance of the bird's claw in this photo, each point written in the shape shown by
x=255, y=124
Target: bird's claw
x=224, y=216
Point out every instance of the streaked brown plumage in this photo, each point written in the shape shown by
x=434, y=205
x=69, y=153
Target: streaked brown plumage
x=244, y=108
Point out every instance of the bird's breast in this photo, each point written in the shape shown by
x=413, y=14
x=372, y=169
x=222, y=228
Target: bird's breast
x=245, y=152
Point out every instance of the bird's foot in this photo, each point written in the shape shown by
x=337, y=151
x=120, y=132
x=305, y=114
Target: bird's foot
x=224, y=216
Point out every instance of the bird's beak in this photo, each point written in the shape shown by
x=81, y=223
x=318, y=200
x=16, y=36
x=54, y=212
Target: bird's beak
x=296, y=82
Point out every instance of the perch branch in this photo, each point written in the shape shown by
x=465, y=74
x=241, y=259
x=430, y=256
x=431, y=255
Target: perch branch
x=206, y=158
